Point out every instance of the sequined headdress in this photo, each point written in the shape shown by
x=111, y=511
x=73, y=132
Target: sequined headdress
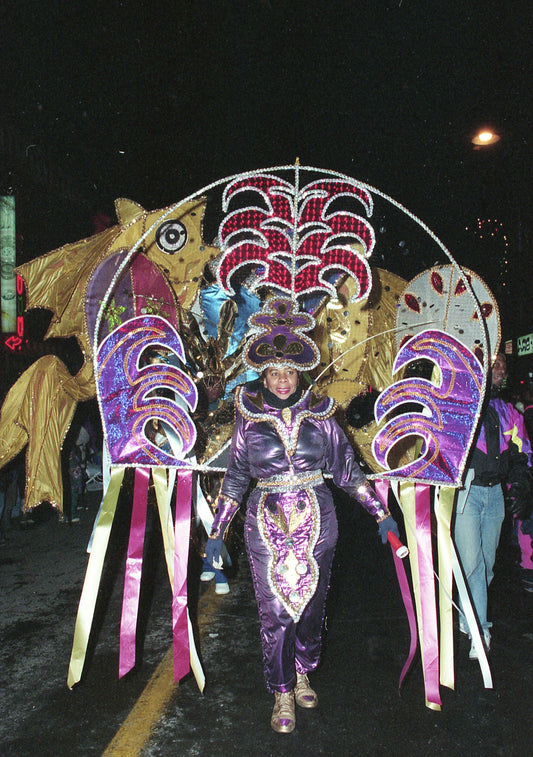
x=277, y=339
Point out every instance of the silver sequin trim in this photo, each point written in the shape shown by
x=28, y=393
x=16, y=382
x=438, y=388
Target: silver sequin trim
x=288, y=482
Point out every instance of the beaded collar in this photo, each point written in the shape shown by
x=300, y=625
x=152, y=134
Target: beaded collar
x=287, y=421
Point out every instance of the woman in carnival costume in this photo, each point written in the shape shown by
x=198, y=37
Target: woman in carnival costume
x=284, y=438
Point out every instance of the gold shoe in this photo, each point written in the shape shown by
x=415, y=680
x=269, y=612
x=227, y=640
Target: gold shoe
x=303, y=693
x=283, y=718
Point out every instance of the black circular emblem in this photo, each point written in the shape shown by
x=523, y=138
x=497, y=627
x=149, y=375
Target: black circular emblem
x=171, y=236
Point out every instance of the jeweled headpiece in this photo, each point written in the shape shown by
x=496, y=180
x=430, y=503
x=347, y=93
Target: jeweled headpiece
x=277, y=339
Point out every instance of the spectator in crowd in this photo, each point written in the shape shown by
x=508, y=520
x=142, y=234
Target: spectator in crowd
x=498, y=472
x=524, y=525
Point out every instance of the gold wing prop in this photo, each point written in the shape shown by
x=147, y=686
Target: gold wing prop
x=357, y=342
x=58, y=280
x=38, y=411
x=39, y=407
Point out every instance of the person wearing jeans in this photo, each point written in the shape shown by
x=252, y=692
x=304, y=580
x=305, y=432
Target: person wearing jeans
x=498, y=465
x=478, y=524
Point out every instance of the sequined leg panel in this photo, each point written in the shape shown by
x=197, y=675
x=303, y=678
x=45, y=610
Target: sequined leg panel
x=289, y=525
x=308, y=639
x=282, y=638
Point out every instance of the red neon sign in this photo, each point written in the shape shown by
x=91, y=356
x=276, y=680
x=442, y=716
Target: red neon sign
x=13, y=343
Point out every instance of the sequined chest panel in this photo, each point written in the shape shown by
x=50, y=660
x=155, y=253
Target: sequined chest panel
x=285, y=427
x=288, y=513
x=289, y=524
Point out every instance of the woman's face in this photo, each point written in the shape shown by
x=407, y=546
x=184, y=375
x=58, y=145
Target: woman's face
x=281, y=381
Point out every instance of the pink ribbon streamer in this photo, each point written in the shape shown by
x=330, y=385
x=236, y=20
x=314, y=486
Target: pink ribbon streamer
x=182, y=528
x=410, y=612
x=382, y=490
x=133, y=573
x=430, y=656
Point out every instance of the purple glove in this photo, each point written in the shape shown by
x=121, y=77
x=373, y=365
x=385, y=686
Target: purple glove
x=386, y=525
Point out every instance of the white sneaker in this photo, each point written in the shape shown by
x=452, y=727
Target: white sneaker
x=207, y=575
x=222, y=588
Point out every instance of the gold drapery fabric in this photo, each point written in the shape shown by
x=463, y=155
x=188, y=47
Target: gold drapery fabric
x=38, y=411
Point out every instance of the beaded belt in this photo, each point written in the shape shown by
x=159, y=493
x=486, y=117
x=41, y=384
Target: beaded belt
x=287, y=482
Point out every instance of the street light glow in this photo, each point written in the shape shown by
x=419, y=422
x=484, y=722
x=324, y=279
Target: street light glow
x=485, y=137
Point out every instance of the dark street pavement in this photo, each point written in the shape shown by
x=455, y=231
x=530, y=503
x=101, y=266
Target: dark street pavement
x=366, y=643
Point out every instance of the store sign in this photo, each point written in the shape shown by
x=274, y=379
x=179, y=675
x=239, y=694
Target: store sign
x=8, y=292
x=509, y=347
x=524, y=345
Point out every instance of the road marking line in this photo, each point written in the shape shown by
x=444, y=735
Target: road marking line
x=134, y=733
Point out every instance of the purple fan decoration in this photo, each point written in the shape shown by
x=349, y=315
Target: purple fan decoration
x=449, y=414
x=130, y=394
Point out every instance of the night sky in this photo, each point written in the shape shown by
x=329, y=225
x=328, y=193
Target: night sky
x=153, y=100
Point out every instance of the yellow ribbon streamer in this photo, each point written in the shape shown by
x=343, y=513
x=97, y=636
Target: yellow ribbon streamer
x=444, y=499
x=84, y=618
x=163, y=493
x=405, y=492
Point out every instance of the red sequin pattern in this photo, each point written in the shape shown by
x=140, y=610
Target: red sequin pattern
x=302, y=240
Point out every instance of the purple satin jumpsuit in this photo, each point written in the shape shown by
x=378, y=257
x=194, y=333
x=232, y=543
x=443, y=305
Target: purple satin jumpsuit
x=291, y=525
